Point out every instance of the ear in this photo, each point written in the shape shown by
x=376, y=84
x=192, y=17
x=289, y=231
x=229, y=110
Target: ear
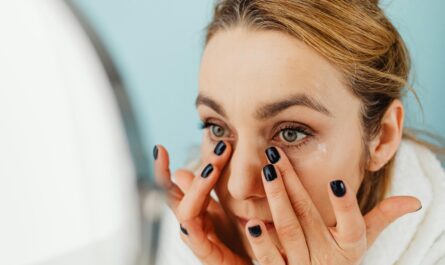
x=383, y=147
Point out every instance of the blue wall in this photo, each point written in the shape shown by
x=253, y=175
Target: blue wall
x=157, y=47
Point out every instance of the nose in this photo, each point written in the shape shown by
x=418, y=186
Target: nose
x=245, y=172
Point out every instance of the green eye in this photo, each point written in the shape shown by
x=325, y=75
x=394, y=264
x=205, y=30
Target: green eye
x=218, y=131
x=290, y=135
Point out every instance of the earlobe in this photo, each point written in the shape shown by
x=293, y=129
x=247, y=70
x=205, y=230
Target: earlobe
x=383, y=147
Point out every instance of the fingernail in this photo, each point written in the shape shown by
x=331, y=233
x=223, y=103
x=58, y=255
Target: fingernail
x=207, y=170
x=269, y=172
x=255, y=231
x=155, y=152
x=338, y=188
x=219, y=148
x=272, y=154
x=183, y=230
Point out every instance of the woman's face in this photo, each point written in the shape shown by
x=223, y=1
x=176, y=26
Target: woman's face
x=264, y=88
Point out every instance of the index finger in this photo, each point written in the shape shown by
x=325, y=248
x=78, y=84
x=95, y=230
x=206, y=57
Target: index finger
x=302, y=204
x=289, y=230
x=198, y=193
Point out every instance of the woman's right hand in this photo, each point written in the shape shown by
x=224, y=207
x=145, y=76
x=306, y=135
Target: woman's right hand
x=199, y=215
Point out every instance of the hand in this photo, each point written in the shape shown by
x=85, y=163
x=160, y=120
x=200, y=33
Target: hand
x=301, y=231
x=197, y=212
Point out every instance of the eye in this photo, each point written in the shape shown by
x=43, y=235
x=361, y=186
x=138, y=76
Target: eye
x=292, y=135
x=217, y=130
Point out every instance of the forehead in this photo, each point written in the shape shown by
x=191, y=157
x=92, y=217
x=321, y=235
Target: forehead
x=243, y=67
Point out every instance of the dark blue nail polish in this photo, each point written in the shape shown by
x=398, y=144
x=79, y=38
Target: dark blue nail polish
x=183, y=230
x=219, y=148
x=255, y=231
x=272, y=154
x=155, y=152
x=338, y=188
x=269, y=172
x=207, y=170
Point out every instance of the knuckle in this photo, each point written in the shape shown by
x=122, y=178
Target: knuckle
x=265, y=259
x=290, y=230
x=204, y=251
x=346, y=206
x=276, y=193
x=286, y=170
x=182, y=214
x=302, y=208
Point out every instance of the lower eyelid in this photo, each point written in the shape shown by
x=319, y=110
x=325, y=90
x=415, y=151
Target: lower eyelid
x=299, y=144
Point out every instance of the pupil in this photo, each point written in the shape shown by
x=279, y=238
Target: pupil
x=217, y=131
x=290, y=136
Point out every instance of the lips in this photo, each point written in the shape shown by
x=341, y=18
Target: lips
x=243, y=221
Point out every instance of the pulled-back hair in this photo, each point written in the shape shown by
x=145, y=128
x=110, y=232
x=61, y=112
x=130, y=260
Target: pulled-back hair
x=355, y=36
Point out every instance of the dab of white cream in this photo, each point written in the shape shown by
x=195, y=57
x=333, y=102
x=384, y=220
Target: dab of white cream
x=322, y=148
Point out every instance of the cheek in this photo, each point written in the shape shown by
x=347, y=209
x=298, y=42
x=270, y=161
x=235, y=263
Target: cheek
x=323, y=162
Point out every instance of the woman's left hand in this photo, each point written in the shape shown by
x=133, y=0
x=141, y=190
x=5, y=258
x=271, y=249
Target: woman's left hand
x=301, y=231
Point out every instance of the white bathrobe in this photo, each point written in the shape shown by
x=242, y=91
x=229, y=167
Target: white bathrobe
x=415, y=239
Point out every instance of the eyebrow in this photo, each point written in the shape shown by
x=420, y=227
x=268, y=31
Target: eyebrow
x=270, y=109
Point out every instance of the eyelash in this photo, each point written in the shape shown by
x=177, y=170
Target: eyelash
x=300, y=129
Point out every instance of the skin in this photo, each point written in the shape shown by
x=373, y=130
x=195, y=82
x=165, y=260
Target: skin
x=245, y=77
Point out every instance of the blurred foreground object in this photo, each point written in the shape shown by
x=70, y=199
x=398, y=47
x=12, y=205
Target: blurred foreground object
x=69, y=163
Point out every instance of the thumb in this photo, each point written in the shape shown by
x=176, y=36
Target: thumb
x=386, y=212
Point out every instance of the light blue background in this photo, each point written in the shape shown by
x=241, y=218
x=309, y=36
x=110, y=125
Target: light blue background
x=157, y=47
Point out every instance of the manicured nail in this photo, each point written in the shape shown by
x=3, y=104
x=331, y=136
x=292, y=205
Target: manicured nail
x=219, y=148
x=155, y=152
x=338, y=188
x=183, y=230
x=269, y=172
x=255, y=231
x=272, y=154
x=207, y=170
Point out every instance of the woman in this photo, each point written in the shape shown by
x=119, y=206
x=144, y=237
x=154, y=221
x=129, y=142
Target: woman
x=304, y=143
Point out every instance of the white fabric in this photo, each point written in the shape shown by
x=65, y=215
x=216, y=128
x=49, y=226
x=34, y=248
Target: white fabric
x=417, y=238
x=67, y=183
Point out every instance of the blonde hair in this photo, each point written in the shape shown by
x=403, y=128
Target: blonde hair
x=354, y=35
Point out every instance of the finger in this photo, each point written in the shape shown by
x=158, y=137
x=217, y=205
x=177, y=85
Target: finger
x=289, y=230
x=194, y=234
x=220, y=155
x=163, y=177
x=387, y=212
x=161, y=166
x=308, y=215
x=205, y=244
x=197, y=198
x=184, y=179
x=350, y=231
x=194, y=200
x=262, y=246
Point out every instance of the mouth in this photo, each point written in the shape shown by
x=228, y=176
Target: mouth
x=243, y=221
